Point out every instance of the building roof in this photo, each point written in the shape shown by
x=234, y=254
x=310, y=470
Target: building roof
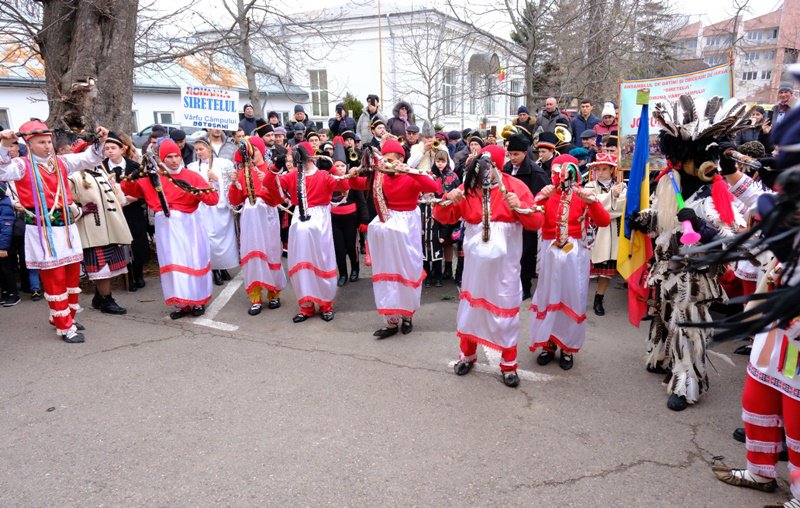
x=689, y=31
x=21, y=66
x=769, y=20
x=723, y=27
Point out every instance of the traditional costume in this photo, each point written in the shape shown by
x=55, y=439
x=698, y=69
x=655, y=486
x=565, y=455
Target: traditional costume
x=692, y=152
x=260, y=236
x=104, y=232
x=348, y=214
x=312, y=260
x=605, y=240
x=558, y=308
x=436, y=235
x=52, y=241
x=394, y=240
x=491, y=290
x=184, y=258
x=218, y=219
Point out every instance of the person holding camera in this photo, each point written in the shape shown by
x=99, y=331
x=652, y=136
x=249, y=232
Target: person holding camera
x=342, y=122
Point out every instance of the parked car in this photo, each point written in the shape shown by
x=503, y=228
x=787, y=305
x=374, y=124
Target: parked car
x=192, y=133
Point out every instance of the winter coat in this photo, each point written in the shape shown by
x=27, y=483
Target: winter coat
x=106, y=194
x=364, y=121
x=397, y=126
x=776, y=115
x=307, y=122
x=529, y=126
x=607, y=238
x=7, y=219
x=248, y=125
x=530, y=173
x=580, y=124
x=602, y=129
x=547, y=121
x=755, y=134
x=337, y=127
x=187, y=153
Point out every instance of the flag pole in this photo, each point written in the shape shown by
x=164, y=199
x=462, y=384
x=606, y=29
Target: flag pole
x=380, y=48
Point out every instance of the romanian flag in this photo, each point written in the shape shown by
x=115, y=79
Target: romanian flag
x=635, y=248
x=501, y=74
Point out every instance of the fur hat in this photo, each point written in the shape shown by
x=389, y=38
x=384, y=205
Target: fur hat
x=518, y=143
x=547, y=140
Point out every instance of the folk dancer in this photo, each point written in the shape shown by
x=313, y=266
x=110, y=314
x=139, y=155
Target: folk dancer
x=218, y=219
x=611, y=194
x=260, y=237
x=52, y=242
x=491, y=291
x=312, y=257
x=558, y=316
x=174, y=194
x=348, y=214
x=105, y=236
x=394, y=236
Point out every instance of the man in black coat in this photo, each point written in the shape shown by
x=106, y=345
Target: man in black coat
x=134, y=210
x=520, y=165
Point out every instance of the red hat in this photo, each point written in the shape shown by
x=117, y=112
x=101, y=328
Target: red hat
x=253, y=143
x=564, y=159
x=307, y=146
x=498, y=154
x=392, y=146
x=604, y=159
x=34, y=128
x=168, y=147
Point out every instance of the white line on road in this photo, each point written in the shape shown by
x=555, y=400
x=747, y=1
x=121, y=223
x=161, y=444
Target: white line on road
x=219, y=302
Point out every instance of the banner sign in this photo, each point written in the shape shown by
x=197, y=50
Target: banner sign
x=706, y=83
x=209, y=108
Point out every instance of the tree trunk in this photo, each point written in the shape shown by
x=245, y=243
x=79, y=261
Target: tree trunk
x=87, y=48
x=247, y=59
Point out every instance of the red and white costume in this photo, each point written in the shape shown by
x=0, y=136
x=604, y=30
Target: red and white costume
x=260, y=237
x=52, y=246
x=558, y=307
x=396, y=244
x=184, y=258
x=312, y=258
x=491, y=290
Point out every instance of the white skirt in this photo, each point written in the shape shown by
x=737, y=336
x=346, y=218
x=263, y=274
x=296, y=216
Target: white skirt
x=312, y=259
x=183, y=259
x=66, y=247
x=261, y=247
x=219, y=224
x=397, y=274
x=558, y=309
x=491, y=290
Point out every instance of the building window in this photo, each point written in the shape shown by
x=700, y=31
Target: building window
x=5, y=119
x=516, y=95
x=163, y=117
x=749, y=76
x=474, y=92
x=449, y=91
x=319, y=92
x=488, y=107
x=752, y=56
x=754, y=36
x=766, y=74
x=772, y=34
x=769, y=55
x=713, y=60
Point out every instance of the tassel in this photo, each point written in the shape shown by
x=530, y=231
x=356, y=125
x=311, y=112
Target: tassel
x=723, y=199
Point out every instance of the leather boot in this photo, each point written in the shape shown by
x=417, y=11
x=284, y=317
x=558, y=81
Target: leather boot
x=217, y=277
x=598, y=305
x=97, y=300
x=132, y=287
x=109, y=306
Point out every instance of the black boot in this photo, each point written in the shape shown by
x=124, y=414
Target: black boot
x=217, y=277
x=225, y=275
x=132, y=287
x=138, y=276
x=354, y=274
x=448, y=270
x=109, y=306
x=598, y=305
x=97, y=300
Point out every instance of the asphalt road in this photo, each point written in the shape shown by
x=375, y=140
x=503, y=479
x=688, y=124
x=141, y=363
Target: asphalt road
x=153, y=412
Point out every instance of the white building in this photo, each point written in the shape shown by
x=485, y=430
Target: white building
x=156, y=91
x=446, y=69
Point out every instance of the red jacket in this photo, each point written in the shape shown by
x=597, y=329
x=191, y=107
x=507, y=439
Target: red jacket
x=177, y=198
x=577, y=211
x=319, y=188
x=402, y=190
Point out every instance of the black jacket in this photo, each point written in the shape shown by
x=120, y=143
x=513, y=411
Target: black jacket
x=530, y=173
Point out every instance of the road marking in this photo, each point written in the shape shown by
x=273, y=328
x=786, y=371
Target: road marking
x=493, y=367
x=725, y=358
x=219, y=302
